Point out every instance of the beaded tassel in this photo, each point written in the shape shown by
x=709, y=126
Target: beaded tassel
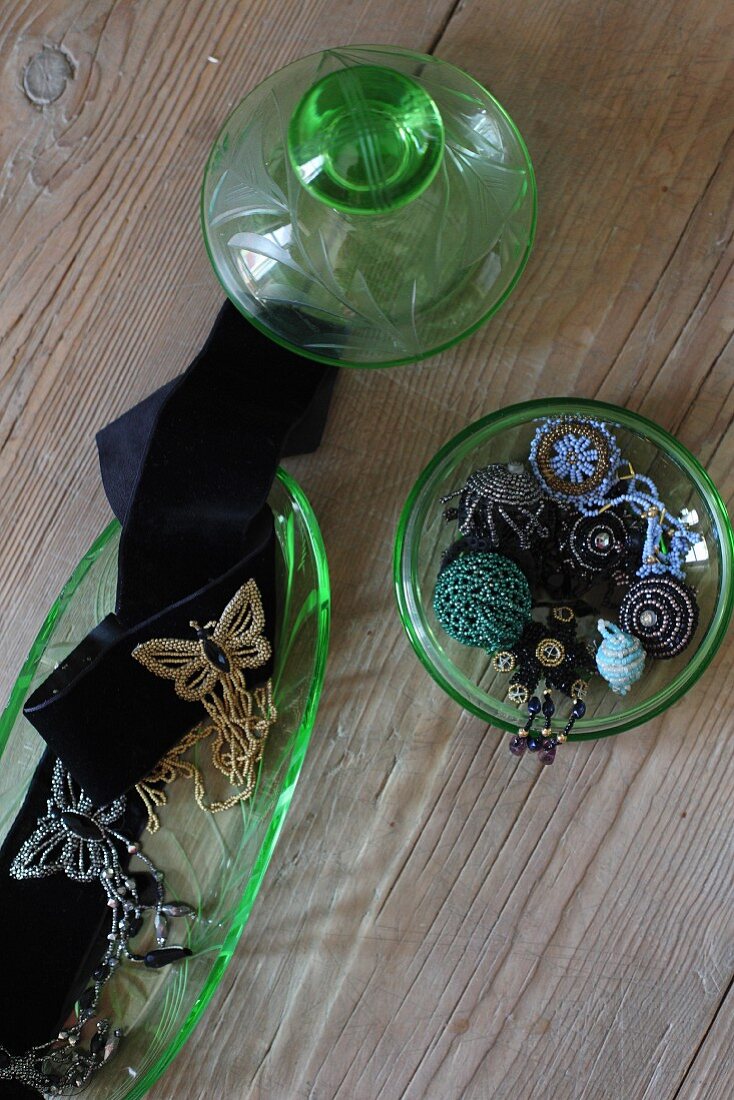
x=547, y=747
x=544, y=742
x=519, y=742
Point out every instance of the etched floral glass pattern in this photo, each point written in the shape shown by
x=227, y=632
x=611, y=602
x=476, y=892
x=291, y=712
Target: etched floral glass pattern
x=369, y=289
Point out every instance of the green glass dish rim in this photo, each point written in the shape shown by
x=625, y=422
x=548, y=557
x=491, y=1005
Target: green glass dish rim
x=439, y=347
x=298, y=752
x=512, y=416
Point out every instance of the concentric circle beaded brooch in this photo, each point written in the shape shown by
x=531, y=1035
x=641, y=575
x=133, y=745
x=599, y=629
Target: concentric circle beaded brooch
x=565, y=565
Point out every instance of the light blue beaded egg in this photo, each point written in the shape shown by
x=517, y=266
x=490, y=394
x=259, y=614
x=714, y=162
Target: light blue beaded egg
x=620, y=658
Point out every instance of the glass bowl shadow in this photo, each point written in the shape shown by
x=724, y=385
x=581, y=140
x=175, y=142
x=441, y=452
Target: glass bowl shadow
x=466, y=673
x=215, y=862
x=378, y=286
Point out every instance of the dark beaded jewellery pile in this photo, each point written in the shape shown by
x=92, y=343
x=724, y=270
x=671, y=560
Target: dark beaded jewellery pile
x=578, y=518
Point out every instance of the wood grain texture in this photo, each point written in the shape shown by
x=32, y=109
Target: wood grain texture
x=438, y=920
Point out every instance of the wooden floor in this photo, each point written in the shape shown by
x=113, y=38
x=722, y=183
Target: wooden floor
x=438, y=921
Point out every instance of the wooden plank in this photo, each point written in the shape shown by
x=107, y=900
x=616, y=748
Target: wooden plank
x=711, y=1074
x=438, y=921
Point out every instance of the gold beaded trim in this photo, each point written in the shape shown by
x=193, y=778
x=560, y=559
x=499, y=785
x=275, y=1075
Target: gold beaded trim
x=504, y=661
x=211, y=670
x=563, y=614
x=261, y=712
x=551, y=652
x=518, y=694
x=545, y=454
x=168, y=770
x=579, y=689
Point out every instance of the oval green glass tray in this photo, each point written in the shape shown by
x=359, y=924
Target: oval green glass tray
x=215, y=862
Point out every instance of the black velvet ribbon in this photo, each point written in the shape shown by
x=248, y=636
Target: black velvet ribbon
x=109, y=718
x=187, y=472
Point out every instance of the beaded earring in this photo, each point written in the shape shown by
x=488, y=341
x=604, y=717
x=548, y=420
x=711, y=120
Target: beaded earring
x=482, y=599
x=499, y=501
x=662, y=612
x=620, y=658
x=574, y=459
x=552, y=652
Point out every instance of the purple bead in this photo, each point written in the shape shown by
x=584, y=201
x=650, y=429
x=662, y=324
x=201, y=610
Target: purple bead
x=579, y=709
x=548, y=752
x=518, y=745
x=534, y=705
x=535, y=741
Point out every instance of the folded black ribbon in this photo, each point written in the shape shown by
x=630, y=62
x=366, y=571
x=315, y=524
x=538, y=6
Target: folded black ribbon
x=187, y=472
x=103, y=713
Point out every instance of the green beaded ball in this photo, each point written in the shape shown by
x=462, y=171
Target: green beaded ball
x=483, y=599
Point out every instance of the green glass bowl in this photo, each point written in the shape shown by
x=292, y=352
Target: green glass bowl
x=215, y=862
x=368, y=206
x=466, y=673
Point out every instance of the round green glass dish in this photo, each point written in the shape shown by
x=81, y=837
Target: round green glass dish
x=216, y=862
x=368, y=206
x=467, y=673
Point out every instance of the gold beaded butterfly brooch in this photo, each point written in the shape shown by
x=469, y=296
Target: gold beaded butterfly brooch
x=210, y=669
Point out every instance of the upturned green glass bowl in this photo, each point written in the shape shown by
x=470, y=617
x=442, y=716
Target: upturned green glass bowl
x=466, y=673
x=215, y=862
x=368, y=206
